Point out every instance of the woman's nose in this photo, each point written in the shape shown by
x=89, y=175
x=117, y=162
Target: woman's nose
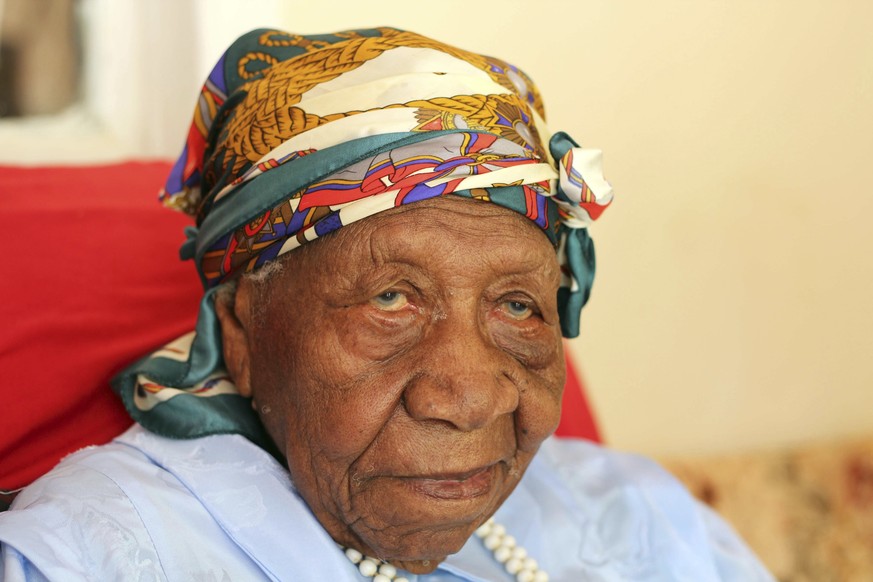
x=462, y=378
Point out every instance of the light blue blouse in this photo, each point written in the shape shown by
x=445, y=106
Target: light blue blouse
x=219, y=508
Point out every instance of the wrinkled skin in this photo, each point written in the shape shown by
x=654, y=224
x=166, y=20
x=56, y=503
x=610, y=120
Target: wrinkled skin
x=408, y=366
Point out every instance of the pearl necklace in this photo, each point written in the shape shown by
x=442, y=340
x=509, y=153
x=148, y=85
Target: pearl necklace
x=494, y=537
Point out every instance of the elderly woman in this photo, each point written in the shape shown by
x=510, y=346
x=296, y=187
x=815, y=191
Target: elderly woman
x=392, y=244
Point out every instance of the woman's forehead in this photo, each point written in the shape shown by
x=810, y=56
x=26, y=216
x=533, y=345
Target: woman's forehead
x=460, y=234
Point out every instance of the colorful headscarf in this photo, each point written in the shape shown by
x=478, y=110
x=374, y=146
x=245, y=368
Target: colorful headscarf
x=296, y=136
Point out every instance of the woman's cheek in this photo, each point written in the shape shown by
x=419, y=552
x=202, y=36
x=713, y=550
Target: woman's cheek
x=372, y=336
x=533, y=343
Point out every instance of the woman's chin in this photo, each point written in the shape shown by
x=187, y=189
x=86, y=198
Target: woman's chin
x=418, y=567
x=415, y=522
x=417, y=548
x=422, y=552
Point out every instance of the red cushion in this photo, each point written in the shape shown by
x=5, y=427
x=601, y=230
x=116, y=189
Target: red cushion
x=91, y=282
x=577, y=419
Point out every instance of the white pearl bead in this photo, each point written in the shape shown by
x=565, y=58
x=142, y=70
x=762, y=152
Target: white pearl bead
x=387, y=570
x=484, y=529
x=513, y=566
x=504, y=547
x=368, y=567
x=502, y=554
x=492, y=541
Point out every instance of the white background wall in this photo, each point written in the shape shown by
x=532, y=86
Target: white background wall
x=731, y=306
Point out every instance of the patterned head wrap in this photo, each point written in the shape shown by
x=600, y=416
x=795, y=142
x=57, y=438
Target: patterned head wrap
x=296, y=136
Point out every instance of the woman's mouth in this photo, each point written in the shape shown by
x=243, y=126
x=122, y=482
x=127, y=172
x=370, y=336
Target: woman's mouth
x=455, y=486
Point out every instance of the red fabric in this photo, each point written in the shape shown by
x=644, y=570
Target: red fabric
x=577, y=419
x=91, y=281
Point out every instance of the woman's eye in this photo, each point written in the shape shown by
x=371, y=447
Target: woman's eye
x=390, y=301
x=517, y=310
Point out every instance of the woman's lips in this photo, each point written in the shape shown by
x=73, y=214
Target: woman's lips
x=455, y=486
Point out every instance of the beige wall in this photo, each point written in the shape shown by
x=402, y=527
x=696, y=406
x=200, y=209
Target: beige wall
x=731, y=306
x=733, y=302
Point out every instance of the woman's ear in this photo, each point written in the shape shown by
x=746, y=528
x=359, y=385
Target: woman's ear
x=233, y=311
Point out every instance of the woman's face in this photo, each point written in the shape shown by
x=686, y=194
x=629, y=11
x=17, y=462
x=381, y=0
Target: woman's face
x=408, y=366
